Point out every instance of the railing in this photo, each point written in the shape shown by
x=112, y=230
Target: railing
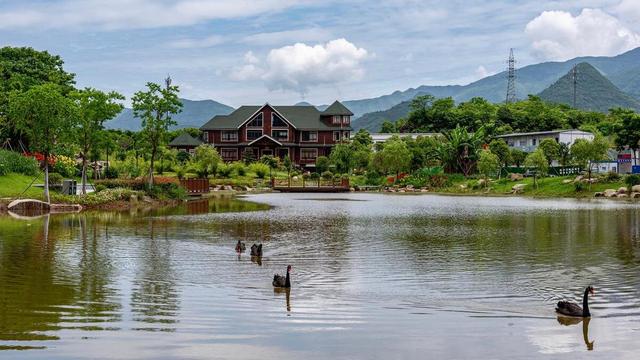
x=195, y=186
x=301, y=182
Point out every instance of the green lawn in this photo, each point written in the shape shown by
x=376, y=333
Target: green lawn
x=12, y=185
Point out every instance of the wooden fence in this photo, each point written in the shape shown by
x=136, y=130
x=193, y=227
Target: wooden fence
x=195, y=186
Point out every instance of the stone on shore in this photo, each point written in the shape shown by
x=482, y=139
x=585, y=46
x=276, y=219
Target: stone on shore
x=610, y=192
x=622, y=190
x=599, y=194
x=635, y=188
x=516, y=177
x=635, y=195
x=567, y=181
x=518, y=188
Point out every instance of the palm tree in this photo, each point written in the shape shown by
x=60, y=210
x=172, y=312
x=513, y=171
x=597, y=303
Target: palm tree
x=459, y=150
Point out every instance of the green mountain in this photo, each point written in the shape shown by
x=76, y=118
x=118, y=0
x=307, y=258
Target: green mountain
x=623, y=71
x=373, y=120
x=194, y=114
x=593, y=91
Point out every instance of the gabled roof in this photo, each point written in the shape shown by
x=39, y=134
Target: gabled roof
x=300, y=116
x=265, y=137
x=337, y=109
x=185, y=139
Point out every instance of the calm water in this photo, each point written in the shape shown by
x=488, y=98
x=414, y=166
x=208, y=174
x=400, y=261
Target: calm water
x=374, y=277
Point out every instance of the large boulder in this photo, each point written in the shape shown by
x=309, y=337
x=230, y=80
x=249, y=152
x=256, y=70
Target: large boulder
x=635, y=188
x=518, y=188
x=622, y=195
x=516, y=177
x=635, y=195
x=622, y=190
x=610, y=193
x=578, y=178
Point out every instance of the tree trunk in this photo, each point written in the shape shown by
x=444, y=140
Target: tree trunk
x=47, y=198
x=153, y=156
x=84, y=174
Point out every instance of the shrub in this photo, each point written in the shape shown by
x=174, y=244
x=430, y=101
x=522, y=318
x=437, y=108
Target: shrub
x=260, y=169
x=439, y=181
x=166, y=191
x=224, y=170
x=239, y=168
x=55, y=179
x=327, y=175
x=632, y=180
x=100, y=187
x=105, y=196
x=183, y=157
x=180, y=171
x=3, y=170
x=579, y=186
x=611, y=177
x=17, y=163
x=65, y=166
x=111, y=172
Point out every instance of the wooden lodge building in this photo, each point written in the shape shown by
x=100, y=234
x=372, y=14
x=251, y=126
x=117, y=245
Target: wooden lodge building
x=302, y=132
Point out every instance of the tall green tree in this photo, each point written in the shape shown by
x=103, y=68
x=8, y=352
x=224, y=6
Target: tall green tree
x=272, y=162
x=94, y=108
x=155, y=106
x=488, y=164
x=628, y=130
x=46, y=117
x=394, y=157
x=458, y=151
x=586, y=152
x=500, y=148
x=538, y=161
x=342, y=158
x=205, y=160
x=518, y=156
x=550, y=148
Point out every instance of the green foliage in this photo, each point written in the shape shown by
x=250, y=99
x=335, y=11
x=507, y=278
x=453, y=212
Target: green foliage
x=538, y=161
x=155, y=107
x=205, y=160
x=239, y=168
x=55, y=179
x=183, y=157
x=500, y=148
x=107, y=196
x=100, y=187
x=271, y=161
x=584, y=151
x=14, y=162
x=632, y=180
x=388, y=127
x=327, y=175
x=394, y=157
x=488, y=163
x=611, y=177
x=342, y=158
x=458, y=151
x=564, y=154
x=248, y=156
x=65, y=166
x=518, y=156
x=322, y=164
x=628, y=128
x=260, y=169
x=224, y=170
x=579, y=186
x=550, y=148
x=3, y=169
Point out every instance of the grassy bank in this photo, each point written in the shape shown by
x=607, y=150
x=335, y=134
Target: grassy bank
x=12, y=185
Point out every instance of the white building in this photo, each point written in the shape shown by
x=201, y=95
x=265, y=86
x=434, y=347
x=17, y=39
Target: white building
x=529, y=141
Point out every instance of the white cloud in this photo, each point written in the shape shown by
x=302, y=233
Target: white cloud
x=558, y=35
x=482, y=72
x=127, y=14
x=189, y=43
x=300, y=67
x=288, y=37
x=628, y=9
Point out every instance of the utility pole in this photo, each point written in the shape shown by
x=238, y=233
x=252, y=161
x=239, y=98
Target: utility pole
x=511, y=79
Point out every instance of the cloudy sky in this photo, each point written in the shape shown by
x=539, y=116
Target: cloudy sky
x=283, y=51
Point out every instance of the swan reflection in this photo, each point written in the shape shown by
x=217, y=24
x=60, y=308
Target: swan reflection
x=569, y=321
x=287, y=292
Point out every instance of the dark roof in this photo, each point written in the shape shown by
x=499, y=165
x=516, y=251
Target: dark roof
x=300, y=116
x=337, y=109
x=185, y=139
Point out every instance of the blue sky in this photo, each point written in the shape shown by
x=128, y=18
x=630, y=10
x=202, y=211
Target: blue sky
x=283, y=51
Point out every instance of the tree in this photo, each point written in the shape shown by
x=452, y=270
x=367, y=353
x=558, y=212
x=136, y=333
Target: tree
x=288, y=165
x=500, y=148
x=94, y=108
x=550, y=148
x=518, y=156
x=22, y=68
x=585, y=152
x=538, y=161
x=272, y=162
x=628, y=130
x=342, y=157
x=564, y=154
x=155, y=107
x=46, y=117
x=362, y=137
x=458, y=151
x=394, y=157
x=248, y=155
x=206, y=160
x=322, y=164
x=488, y=164
x=388, y=127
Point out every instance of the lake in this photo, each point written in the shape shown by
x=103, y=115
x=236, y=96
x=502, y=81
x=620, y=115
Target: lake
x=374, y=276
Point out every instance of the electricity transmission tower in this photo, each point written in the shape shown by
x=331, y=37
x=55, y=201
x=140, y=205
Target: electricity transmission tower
x=511, y=82
x=574, y=76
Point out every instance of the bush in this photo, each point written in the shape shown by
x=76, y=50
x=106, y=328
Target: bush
x=224, y=170
x=106, y=196
x=373, y=178
x=632, y=180
x=111, y=173
x=65, y=166
x=167, y=191
x=55, y=179
x=260, y=169
x=100, y=187
x=239, y=168
x=3, y=170
x=183, y=157
x=439, y=181
x=180, y=171
x=327, y=175
x=17, y=163
x=579, y=186
x=611, y=177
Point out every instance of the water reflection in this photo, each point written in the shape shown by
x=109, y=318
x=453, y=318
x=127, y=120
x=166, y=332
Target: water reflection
x=569, y=321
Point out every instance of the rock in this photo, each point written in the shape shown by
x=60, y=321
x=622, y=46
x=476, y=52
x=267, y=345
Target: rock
x=578, y=178
x=622, y=190
x=228, y=187
x=599, y=194
x=424, y=190
x=463, y=187
x=409, y=187
x=635, y=195
x=516, y=177
x=635, y=188
x=567, y=181
x=481, y=182
x=295, y=178
x=133, y=198
x=622, y=196
x=248, y=189
x=147, y=199
x=352, y=189
x=518, y=188
x=610, y=193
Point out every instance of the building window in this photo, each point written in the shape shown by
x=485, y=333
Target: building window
x=346, y=120
x=192, y=151
x=522, y=143
x=253, y=134
x=336, y=119
x=229, y=135
x=346, y=135
x=336, y=136
x=280, y=134
x=308, y=154
x=229, y=154
x=282, y=152
x=256, y=121
x=310, y=136
x=533, y=142
x=277, y=121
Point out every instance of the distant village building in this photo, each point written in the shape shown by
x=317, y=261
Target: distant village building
x=529, y=141
x=185, y=142
x=301, y=132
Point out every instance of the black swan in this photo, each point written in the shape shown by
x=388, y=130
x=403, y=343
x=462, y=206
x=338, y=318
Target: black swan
x=240, y=247
x=280, y=281
x=256, y=250
x=568, y=308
